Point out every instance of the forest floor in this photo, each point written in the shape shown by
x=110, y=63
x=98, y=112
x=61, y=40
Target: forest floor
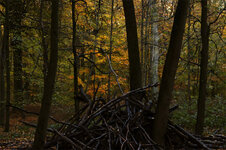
x=20, y=135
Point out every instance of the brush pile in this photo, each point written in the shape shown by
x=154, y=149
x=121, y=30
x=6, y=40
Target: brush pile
x=112, y=125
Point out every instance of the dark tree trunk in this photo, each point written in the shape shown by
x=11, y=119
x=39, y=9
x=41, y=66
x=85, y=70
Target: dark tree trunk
x=6, y=43
x=16, y=15
x=74, y=49
x=44, y=43
x=142, y=40
x=50, y=81
x=203, y=69
x=169, y=72
x=2, y=81
x=133, y=49
x=189, y=58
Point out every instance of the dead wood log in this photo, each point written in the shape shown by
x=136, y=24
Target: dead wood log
x=109, y=126
x=37, y=114
x=35, y=126
x=193, y=138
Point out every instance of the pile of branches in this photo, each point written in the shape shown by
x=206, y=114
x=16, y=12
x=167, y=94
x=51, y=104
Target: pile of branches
x=122, y=123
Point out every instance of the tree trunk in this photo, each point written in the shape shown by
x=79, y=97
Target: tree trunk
x=189, y=58
x=44, y=43
x=6, y=43
x=75, y=65
x=203, y=69
x=154, y=49
x=169, y=72
x=16, y=43
x=133, y=49
x=2, y=81
x=50, y=81
x=146, y=47
x=142, y=40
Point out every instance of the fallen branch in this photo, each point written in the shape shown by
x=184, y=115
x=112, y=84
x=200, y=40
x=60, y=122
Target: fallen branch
x=66, y=139
x=37, y=114
x=35, y=126
x=107, y=125
x=190, y=136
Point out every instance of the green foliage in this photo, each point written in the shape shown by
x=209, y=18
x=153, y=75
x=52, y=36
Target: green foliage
x=215, y=114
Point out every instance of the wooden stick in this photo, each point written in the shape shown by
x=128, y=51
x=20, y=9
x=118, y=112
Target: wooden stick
x=35, y=113
x=35, y=126
x=191, y=136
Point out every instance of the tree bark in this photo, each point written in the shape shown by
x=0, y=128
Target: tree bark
x=2, y=81
x=40, y=134
x=142, y=39
x=16, y=15
x=6, y=47
x=189, y=58
x=133, y=48
x=44, y=43
x=146, y=46
x=169, y=72
x=203, y=69
x=154, y=49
